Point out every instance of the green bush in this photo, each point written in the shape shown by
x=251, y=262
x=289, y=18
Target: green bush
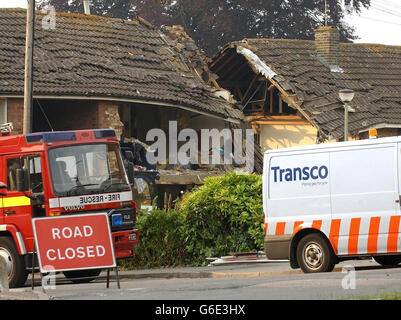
x=223, y=215
x=161, y=237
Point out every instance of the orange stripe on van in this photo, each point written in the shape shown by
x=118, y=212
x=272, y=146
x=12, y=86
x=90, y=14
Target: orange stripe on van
x=265, y=228
x=334, y=233
x=373, y=234
x=392, y=240
x=353, y=236
x=317, y=224
x=280, y=227
x=297, y=226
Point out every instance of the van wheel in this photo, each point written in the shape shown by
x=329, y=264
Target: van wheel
x=16, y=271
x=82, y=276
x=387, y=261
x=314, y=254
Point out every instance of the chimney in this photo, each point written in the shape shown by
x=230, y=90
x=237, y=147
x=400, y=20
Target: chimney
x=87, y=9
x=327, y=42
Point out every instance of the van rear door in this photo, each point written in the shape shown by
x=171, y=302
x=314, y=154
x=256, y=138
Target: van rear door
x=364, y=191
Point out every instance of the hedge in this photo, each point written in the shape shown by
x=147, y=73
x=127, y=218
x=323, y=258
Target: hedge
x=221, y=216
x=161, y=238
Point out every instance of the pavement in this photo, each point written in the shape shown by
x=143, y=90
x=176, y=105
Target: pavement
x=244, y=269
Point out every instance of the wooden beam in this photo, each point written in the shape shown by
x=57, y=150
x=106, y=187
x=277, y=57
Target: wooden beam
x=227, y=61
x=215, y=83
x=247, y=92
x=230, y=68
x=285, y=119
x=213, y=64
x=237, y=71
x=276, y=117
x=239, y=93
x=295, y=104
x=232, y=84
x=301, y=123
x=271, y=102
x=265, y=96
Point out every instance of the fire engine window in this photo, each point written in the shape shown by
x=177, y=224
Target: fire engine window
x=113, y=162
x=84, y=169
x=12, y=166
x=70, y=164
x=35, y=172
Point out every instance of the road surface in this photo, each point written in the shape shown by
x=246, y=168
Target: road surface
x=350, y=280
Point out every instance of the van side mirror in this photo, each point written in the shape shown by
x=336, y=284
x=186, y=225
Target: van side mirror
x=22, y=177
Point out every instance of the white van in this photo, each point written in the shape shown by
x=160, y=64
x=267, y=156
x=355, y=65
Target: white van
x=331, y=202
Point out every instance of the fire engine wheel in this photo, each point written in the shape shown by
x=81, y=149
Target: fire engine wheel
x=314, y=254
x=82, y=276
x=16, y=271
x=388, y=261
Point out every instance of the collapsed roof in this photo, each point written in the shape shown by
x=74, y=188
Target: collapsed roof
x=311, y=85
x=87, y=56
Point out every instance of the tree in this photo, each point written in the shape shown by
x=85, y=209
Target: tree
x=151, y=10
x=213, y=23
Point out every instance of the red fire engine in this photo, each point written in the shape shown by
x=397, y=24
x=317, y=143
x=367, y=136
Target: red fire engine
x=61, y=173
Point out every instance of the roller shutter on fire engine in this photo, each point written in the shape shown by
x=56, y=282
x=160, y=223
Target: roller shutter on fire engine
x=74, y=242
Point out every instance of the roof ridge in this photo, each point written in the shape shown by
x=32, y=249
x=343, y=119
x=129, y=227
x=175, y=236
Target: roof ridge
x=367, y=44
x=137, y=19
x=276, y=39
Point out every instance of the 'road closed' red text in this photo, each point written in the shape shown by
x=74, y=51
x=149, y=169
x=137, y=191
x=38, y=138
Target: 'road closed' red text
x=74, y=242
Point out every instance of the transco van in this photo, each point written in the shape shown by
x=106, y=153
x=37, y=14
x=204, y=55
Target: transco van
x=331, y=202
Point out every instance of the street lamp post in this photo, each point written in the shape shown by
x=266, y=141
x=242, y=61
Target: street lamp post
x=346, y=96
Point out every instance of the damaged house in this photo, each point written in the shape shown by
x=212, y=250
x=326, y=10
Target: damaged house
x=97, y=72
x=289, y=89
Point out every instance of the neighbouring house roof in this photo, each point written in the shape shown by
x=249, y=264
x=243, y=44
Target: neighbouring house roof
x=97, y=57
x=307, y=83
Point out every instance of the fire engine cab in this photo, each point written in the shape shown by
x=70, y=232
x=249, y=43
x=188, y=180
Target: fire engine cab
x=61, y=173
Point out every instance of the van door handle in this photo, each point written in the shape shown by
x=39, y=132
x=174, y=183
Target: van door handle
x=9, y=212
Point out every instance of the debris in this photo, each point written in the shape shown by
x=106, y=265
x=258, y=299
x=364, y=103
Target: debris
x=242, y=257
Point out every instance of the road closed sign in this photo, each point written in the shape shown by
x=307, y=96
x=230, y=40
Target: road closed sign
x=74, y=242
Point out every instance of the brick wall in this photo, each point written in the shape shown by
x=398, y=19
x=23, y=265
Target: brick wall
x=15, y=113
x=327, y=42
x=108, y=117
x=66, y=115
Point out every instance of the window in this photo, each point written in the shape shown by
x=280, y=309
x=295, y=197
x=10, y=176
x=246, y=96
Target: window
x=85, y=169
x=3, y=111
x=35, y=173
x=12, y=166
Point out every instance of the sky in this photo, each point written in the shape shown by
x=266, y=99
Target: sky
x=379, y=24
